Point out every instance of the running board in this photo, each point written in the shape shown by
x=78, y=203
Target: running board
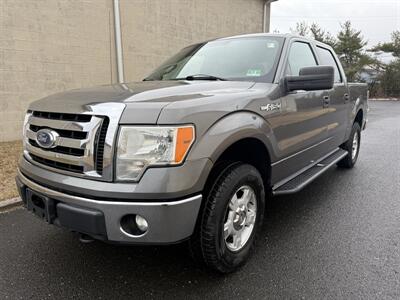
x=301, y=180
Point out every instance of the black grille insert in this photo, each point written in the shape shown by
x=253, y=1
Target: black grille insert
x=60, y=149
x=62, y=116
x=77, y=135
x=57, y=165
x=100, y=143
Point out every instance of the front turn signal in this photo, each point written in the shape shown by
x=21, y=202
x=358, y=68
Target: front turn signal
x=184, y=140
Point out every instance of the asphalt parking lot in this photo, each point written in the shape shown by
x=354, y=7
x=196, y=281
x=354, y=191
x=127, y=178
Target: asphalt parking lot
x=338, y=238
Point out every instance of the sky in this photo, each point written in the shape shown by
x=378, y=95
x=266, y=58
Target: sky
x=375, y=18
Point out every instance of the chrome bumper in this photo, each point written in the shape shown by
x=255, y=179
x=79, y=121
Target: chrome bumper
x=169, y=222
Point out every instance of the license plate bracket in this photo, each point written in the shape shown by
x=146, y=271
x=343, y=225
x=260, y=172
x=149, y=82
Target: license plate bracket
x=40, y=205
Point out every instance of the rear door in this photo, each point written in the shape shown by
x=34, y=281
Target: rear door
x=337, y=106
x=300, y=130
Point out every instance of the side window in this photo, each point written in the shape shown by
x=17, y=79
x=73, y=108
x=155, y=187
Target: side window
x=300, y=56
x=327, y=59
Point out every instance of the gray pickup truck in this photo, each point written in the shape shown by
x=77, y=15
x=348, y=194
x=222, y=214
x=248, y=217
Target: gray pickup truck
x=193, y=152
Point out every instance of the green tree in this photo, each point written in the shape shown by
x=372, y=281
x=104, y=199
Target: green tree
x=350, y=48
x=390, y=78
x=392, y=47
x=321, y=35
x=314, y=31
x=389, y=74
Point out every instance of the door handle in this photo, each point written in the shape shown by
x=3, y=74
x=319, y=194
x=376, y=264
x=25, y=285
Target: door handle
x=346, y=98
x=326, y=101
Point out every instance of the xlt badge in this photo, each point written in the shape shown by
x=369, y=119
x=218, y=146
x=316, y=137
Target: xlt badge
x=271, y=107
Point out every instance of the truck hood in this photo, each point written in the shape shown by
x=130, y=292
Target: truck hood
x=142, y=101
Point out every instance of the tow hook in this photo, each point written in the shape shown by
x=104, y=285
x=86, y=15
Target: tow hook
x=85, y=239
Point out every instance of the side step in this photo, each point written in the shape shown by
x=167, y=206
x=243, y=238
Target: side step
x=297, y=183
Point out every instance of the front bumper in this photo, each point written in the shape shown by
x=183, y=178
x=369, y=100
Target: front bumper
x=161, y=183
x=169, y=222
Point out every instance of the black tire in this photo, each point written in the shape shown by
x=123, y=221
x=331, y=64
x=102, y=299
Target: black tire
x=208, y=242
x=349, y=160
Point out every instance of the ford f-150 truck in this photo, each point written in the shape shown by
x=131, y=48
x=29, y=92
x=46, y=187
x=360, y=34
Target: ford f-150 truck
x=193, y=152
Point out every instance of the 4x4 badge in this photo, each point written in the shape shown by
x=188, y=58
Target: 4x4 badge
x=271, y=107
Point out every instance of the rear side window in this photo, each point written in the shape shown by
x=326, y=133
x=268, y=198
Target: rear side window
x=327, y=59
x=300, y=56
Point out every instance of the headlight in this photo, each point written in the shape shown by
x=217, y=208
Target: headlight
x=140, y=147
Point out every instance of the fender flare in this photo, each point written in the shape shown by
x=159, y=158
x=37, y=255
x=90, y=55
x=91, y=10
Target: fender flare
x=231, y=129
x=358, y=106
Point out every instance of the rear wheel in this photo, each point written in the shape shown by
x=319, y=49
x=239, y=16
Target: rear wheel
x=232, y=214
x=352, y=146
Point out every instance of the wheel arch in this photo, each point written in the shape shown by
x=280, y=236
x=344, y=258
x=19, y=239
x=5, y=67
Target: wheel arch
x=239, y=137
x=248, y=150
x=359, y=117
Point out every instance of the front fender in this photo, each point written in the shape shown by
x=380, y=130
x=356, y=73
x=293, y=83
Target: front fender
x=230, y=129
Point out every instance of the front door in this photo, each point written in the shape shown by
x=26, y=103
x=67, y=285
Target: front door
x=300, y=130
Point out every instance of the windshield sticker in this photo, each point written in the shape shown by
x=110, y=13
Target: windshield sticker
x=253, y=72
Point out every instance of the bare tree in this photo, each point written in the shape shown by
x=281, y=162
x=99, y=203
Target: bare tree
x=301, y=29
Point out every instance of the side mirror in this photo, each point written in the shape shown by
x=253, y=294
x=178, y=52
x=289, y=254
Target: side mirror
x=311, y=79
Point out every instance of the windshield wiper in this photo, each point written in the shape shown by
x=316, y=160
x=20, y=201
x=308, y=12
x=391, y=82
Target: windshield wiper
x=192, y=77
x=203, y=77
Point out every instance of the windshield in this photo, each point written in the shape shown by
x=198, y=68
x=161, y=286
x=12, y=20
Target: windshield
x=242, y=59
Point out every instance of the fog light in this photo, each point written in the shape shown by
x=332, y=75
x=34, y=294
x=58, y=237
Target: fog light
x=134, y=225
x=141, y=223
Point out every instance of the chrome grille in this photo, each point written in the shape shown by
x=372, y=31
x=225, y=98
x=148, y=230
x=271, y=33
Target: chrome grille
x=78, y=147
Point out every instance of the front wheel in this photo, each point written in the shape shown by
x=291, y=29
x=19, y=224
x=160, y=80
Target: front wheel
x=232, y=214
x=352, y=146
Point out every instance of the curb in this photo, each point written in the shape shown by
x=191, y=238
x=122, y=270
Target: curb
x=384, y=99
x=10, y=203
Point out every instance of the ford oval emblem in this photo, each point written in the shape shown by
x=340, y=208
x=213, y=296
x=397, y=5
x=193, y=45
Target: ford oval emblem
x=46, y=138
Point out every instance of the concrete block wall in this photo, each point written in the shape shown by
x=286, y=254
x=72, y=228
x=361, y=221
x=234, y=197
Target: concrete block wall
x=154, y=30
x=47, y=46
